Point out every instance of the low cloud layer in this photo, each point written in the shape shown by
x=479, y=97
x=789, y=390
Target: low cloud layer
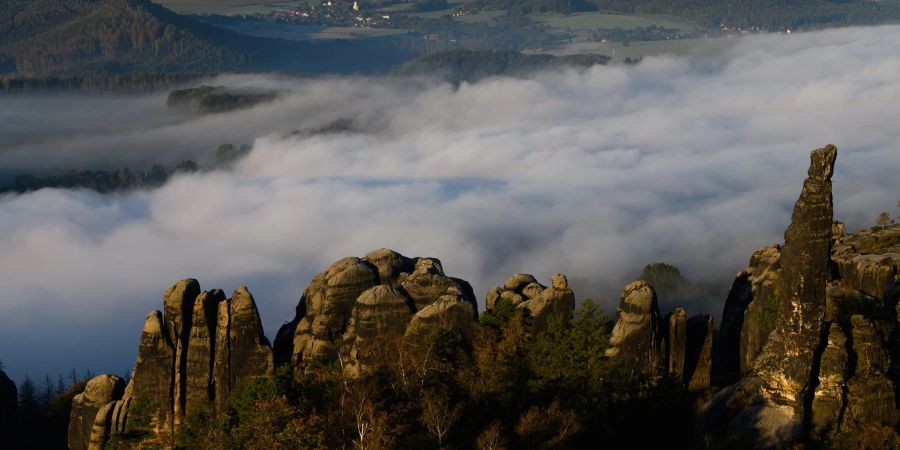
x=593, y=173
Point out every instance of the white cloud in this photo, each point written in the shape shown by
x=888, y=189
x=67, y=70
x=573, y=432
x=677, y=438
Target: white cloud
x=592, y=173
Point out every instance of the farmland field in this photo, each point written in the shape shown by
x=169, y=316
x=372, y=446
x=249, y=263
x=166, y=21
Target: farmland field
x=595, y=20
x=683, y=47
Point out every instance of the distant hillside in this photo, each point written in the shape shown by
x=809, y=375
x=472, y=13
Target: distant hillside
x=770, y=14
x=471, y=65
x=83, y=37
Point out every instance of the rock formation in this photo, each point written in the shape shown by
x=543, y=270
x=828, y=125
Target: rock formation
x=831, y=391
x=523, y=291
x=698, y=352
x=826, y=370
x=189, y=359
x=748, y=316
x=448, y=312
x=358, y=299
x=89, y=423
x=635, y=338
x=647, y=347
x=676, y=342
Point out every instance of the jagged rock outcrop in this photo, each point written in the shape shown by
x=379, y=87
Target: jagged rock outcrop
x=250, y=354
x=524, y=291
x=676, y=342
x=178, y=302
x=89, y=421
x=341, y=311
x=748, y=316
x=870, y=393
x=768, y=408
x=828, y=371
x=698, y=352
x=153, y=377
x=201, y=349
x=189, y=360
x=831, y=392
x=635, y=338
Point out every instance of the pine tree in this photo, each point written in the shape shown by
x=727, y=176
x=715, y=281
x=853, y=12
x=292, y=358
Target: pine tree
x=28, y=401
x=47, y=395
x=60, y=386
x=73, y=376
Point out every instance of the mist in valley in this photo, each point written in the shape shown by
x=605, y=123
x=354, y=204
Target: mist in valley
x=593, y=173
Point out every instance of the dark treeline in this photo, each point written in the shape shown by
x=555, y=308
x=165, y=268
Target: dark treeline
x=768, y=14
x=37, y=417
x=501, y=388
x=122, y=83
x=471, y=65
x=104, y=181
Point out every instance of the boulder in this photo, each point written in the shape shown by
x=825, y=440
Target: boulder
x=427, y=283
x=523, y=291
x=449, y=312
x=332, y=297
x=329, y=301
x=380, y=311
x=556, y=301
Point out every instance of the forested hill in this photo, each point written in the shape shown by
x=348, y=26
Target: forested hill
x=770, y=14
x=766, y=14
x=81, y=37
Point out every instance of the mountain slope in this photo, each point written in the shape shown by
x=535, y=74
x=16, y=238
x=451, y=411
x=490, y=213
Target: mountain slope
x=122, y=36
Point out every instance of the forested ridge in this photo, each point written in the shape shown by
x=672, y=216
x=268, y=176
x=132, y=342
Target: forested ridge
x=88, y=38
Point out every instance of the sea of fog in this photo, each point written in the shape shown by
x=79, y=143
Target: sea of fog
x=593, y=173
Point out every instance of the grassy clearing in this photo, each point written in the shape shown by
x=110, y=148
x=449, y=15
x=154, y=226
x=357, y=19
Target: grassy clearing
x=681, y=47
x=482, y=16
x=593, y=20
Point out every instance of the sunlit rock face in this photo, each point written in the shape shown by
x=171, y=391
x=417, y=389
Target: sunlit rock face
x=635, y=337
x=91, y=412
x=189, y=360
x=827, y=367
x=542, y=302
x=356, y=300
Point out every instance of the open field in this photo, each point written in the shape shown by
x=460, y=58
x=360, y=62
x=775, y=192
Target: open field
x=682, y=47
x=595, y=20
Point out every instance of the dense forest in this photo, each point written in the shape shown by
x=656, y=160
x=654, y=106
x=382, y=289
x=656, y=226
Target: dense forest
x=766, y=14
x=104, y=181
x=470, y=65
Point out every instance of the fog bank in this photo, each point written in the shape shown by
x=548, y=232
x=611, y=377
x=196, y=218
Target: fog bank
x=593, y=173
